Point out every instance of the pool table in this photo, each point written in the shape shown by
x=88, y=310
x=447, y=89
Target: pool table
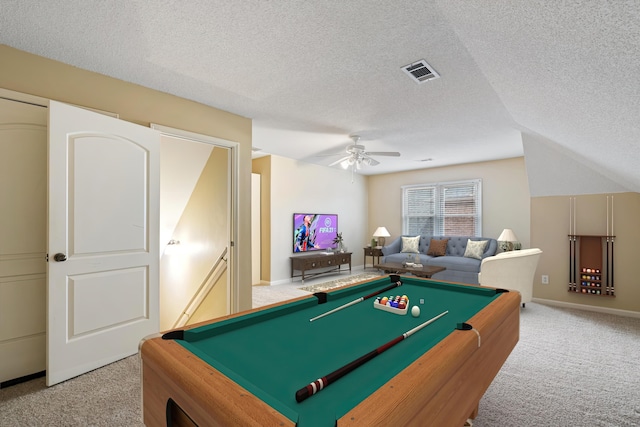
x=245, y=369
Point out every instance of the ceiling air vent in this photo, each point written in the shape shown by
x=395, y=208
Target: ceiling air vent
x=420, y=71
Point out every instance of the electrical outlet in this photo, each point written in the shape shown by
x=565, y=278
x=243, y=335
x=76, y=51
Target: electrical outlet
x=545, y=279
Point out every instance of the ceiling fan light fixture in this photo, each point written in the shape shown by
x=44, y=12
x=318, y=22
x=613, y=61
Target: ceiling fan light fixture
x=358, y=157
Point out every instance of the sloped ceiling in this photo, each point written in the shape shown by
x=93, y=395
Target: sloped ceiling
x=562, y=75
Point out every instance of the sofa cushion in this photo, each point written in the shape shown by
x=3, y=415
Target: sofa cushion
x=410, y=245
x=475, y=249
x=438, y=247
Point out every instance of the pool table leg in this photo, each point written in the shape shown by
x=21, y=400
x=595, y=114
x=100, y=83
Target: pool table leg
x=474, y=414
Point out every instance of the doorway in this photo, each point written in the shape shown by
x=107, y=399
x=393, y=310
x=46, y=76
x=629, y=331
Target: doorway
x=195, y=229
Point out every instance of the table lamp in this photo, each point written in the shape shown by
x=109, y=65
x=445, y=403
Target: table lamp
x=381, y=233
x=508, y=238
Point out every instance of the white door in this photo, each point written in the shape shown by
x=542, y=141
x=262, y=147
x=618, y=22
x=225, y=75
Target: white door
x=103, y=210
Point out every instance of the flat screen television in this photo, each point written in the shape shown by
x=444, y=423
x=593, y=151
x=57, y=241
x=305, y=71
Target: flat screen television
x=314, y=232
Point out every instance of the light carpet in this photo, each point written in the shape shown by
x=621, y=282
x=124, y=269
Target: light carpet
x=109, y=396
x=570, y=368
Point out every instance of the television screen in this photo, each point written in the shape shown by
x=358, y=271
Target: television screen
x=314, y=232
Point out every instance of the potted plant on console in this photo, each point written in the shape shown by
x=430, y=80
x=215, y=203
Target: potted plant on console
x=338, y=242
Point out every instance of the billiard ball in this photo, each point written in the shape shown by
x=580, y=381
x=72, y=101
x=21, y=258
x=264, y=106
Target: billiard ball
x=415, y=311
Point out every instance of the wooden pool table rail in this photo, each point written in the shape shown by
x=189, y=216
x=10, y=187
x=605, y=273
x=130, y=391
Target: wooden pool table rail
x=419, y=395
x=451, y=393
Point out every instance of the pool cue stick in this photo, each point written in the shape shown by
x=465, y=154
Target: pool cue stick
x=612, y=282
x=321, y=383
x=571, y=272
x=607, y=265
x=355, y=301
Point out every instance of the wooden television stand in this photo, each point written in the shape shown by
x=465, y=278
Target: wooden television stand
x=330, y=261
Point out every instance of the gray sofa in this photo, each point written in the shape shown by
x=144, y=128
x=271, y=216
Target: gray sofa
x=458, y=267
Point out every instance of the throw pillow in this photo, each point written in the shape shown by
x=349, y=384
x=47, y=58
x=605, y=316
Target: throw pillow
x=410, y=244
x=438, y=247
x=475, y=248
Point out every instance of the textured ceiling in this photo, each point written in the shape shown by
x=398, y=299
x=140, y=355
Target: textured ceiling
x=309, y=73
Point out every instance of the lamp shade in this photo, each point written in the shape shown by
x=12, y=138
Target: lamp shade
x=381, y=232
x=507, y=235
x=508, y=240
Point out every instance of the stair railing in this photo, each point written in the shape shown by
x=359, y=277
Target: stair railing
x=219, y=267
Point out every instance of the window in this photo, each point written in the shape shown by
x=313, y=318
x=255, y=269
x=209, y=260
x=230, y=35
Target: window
x=448, y=209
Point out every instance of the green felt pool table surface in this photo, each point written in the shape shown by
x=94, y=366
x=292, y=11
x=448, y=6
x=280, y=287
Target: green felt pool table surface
x=272, y=353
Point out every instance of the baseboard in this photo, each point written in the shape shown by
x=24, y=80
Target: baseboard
x=20, y=380
x=614, y=311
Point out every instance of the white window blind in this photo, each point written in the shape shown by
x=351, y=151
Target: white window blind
x=451, y=209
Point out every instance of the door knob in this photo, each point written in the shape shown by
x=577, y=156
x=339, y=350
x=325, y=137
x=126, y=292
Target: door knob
x=60, y=257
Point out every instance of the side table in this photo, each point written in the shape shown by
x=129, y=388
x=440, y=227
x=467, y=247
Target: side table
x=374, y=252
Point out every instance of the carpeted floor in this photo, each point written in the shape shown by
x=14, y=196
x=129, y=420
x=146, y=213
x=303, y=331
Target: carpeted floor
x=570, y=368
x=107, y=397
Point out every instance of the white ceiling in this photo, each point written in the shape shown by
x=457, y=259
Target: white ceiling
x=309, y=73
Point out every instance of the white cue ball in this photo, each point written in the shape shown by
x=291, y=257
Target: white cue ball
x=415, y=311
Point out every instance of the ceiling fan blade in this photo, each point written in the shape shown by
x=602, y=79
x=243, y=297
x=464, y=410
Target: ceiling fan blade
x=383, y=153
x=372, y=162
x=339, y=161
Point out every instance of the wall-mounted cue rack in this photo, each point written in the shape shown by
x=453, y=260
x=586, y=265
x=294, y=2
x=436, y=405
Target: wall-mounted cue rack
x=591, y=265
x=591, y=257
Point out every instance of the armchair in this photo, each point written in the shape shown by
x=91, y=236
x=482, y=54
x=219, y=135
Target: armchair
x=513, y=270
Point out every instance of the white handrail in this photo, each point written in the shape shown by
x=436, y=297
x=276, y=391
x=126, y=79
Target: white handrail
x=203, y=290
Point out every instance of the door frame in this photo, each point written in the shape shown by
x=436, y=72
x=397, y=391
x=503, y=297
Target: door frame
x=233, y=291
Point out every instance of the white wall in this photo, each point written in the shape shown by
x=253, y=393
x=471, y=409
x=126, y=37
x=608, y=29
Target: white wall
x=304, y=187
x=553, y=171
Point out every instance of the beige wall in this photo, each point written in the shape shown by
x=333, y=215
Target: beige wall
x=505, y=196
x=262, y=166
x=31, y=74
x=550, y=229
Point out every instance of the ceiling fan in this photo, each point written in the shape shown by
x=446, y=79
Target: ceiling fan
x=357, y=156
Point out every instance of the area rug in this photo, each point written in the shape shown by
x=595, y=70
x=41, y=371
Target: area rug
x=325, y=286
